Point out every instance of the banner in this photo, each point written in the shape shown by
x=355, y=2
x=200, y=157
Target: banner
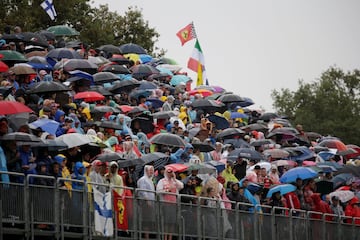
x=120, y=211
x=186, y=34
x=103, y=213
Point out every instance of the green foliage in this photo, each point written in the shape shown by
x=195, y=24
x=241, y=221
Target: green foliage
x=330, y=105
x=97, y=26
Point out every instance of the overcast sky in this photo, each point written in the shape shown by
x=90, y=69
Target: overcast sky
x=253, y=47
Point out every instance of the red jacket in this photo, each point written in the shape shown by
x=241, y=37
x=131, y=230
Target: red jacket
x=320, y=206
x=353, y=210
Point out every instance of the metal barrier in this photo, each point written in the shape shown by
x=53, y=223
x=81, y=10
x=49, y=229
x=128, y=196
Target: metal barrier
x=40, y=205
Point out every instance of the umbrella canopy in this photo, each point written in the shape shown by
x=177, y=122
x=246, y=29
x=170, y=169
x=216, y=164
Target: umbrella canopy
x=229, y=133
x=104, y=109
x=333, y=143
x=22, y=70
x=164, y=60
x=99, y=60
x=3, y=67
x=219, y=122
x=47, y=35
x=110, y=125
x=342, y=179
x=356, y=151
x=245, y=153
x=48, y=87
x=163, y=114
x=12, y=107
x=109, y=157
x=203, y=147
x=298, y=172
x=105, y=77
x=34, y=39
x=132, y=48
x=261, y=142
x=255, y=127
x=100, y=89
x=230, y=98
x=178, y=79
x=74, y=139
x=145, y=85
x=203, y=168
x=76, y=64
x=220, y=166
x=281, y=162
x=116, y=69
x=352, y=169
x=301, y=153
x=63, y=30
x=344, y=196
x=140, y=93
x=155, y=103
x=20, y=136
x=234, y=115
x=202, y=92
x=237, y=142
x=267, y=116
x=109, y=48
x=60, y=53
x=124, y=86
x=12, y=56
x=168, y=139
x=276, y=153
x=142, y=71
x=47, y=125
x=177, y=167
x=124, y=163
x=265, y=165
x=282, y=188
x=145, y=124
x=89, y=96
x=5, y=91
x=207, y=104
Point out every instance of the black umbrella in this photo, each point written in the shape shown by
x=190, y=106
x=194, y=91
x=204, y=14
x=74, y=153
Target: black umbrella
x=230, y=133
x=105, y=109
x=352, y=169
x=132, y=48
x=156, y=159
x=109, y=48
x=76, y=44
x=255, y=126
x=105, y=77
x=38, y=59
x=230, y=98
x=110, y=124
x=13, y=37
x=121, y=61
x=100, y=89
x=203, y=147
x=51, y=144
x=145, y=85
x=48, y=87
x=20, y=136
x=247, y=153
x=35, y=39
x=137, y=110
x=47, y=35
x=124, y=86
x=5, y=91
x=207, y=104
x=324, y=187
x=116, y=69
x=77, y=64
x=237, y=143
x=60, y=53
x=142, y=71
x=268, y=116
x=145, y=124
x=124, y=163
x=163, y=114
x=108, y=157
x=168, y=139
x=260, y=142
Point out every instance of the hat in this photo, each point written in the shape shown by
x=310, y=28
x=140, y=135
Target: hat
x=113, y=163
x=59, y=158
x=97, y=163
x=257, y=167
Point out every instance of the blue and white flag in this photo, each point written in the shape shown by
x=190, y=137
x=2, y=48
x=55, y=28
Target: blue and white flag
x=103, y=213
x=49, y=8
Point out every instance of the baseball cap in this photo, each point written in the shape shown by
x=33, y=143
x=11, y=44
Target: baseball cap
x=257, y=167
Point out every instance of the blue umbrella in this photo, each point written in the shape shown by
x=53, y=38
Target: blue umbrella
x=218, y=165
x=299, y=154
x=282, y=188
x=330, y=164
x=326, y=155
x=238, y=115
x=253, y=187
x=82, y=74
x=166, y=71
x=46, y=125
x=145, y=58
x=342, y=179
x=144, y=85
x=137, y=93
x=40, y=66
x=247, y=153
x=156, y=103
x=298, y=172
x=220, y=122
x=177, y=79
x=237, y=142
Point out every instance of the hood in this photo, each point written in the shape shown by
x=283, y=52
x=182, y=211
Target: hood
x=183, y=109
x=316, y=198
x=354, y=200
x=188, y=146
x=58, y=114
x=78, y=166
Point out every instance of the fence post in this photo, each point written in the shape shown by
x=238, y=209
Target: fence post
x=198, y=217
x=56, y=210
x=1, y=214
x=26, y=208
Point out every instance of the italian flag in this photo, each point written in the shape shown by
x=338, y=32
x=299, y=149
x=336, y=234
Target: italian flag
x=197, y=64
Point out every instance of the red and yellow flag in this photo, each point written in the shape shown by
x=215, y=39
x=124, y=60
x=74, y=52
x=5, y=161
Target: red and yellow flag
x=186, y=34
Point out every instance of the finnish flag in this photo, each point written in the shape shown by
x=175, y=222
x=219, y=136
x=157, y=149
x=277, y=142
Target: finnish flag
x=49, y=8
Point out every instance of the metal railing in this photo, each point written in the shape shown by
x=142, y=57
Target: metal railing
x=37, y=205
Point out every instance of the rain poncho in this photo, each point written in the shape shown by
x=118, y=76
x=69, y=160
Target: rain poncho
x=228, y=175
x=125, y=122
x=115, y=179
x=250, y=197
x=146, y=183
x=183, y=115
x=4, y=177
x=79, y=171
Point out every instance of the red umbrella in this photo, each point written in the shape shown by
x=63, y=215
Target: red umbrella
x=333, y=143
x=12, y=107
x=355, y=148
x=89, y=96
x=125, y=108
x=203, y=92
x=3, y=67
x=177, y=167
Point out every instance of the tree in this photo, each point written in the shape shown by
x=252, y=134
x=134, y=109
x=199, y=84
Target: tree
x=330, y=105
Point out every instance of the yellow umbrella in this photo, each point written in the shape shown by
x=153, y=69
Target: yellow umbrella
x=134, y=57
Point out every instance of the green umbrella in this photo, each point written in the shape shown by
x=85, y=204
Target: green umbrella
x=15, y=56
x=63, y=30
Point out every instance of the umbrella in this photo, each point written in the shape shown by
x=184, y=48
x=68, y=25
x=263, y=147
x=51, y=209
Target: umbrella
x=47, y=125
x=163, y=114
x=34, y=39
x=136, y=110
x=22, y=70
x=265, y=165
x=132, y=48
x=308, y=163
x=145, y=124
x=261, y=142
x=108, y=157
x=177, y=167
x=324, y=187
x=276, y=153
x=104, y=109
x=333, y=143
x=142, y=71
x=160, y=159
x=230, y=98
x=354, y=147
x=279, y=163
x=245, y=153
x=164, y=72
x=105, y=77
x=110, y=125
x=234, y=115
x=354, y=170
x=229, y=133
x=220, y=122
x=343, y=196
x=109, y=48
x=60, y=53
x=47, y=35
x=203, y=147
x=38, y=62
x=282, y=188
x=100, y=89
x=12, y=107
x=300, y=153
x=63, y=30
x=237, y=142
x=313, y=136
x=3, y=67
x=124, y=163
x=298, y=172
x=245, y=103
x=201, y=167
x=145, y=85
x=330, y=164
x=140, y=93
x=48, y=87
x=74, y=139
x=193, y=132
x=120, y=60
x=89, y=96
x=12, y=56
x=99, y=60
x=268, y=116
x=155, y=103
x=51, y=144
x=125, y=108
x=168, y=139
x=164, y=60
x=76, y=64
x=5, y=91
x=207, y=104
x=179, y=78
x=124, y=86
x=116, y=69
x=202, y=92
x=255, y=126
x=20, y=136
x=220, y=166
x=342, y=179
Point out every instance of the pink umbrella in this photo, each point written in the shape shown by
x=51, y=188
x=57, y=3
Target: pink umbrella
x=308, y=163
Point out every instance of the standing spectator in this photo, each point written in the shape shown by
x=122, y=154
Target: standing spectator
x=78, y=174
x=353, y=210
x=240, y=168
x=216, y=154
x=320, y=206
x=336, y=207
x=168, y=105
x=114, y=178
x=96, y=177
x=274, y=175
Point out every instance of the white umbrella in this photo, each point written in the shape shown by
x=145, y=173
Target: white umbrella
x=74, y=139
x=265, y=165
x=344, y=195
